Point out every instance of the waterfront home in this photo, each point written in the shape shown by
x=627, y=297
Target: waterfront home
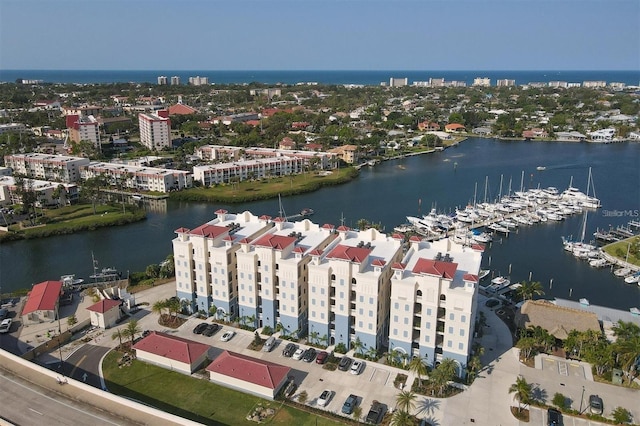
x=454, y=128
x=171, y=352
x=428, y=126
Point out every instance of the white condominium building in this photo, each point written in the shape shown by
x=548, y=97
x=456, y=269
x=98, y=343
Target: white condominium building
x=319, y=160
x=83, y=128
x=205, y=263
x=505, y=83
x=155, y=130
x=434, y=294
x=12, y=127
x=59, y=168
x=482, y=82
x=349, y=287
x=211, y=174
x=162, y=80
x=47, y=193
x=138, y=178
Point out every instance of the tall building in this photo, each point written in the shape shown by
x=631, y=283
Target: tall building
x=162, y=80
x=83, y=128
x=482, y=82
x=175, y=80
x=155, y=130
x=434, y=292
x=398, y=82
x=505, y=83
x=198, y=81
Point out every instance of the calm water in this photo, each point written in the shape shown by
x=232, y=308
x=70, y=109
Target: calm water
x=365, y=77
x=386, y=194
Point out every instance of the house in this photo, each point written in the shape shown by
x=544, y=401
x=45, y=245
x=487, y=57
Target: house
x=348, y=153
x=428, y=126
x=105, y=313
x=246, y=374
x=42, y=303
x=454, y=128
x=535, y=133
x=182, y=109
x=557, y=320
x=287, y=143
x=171, y=352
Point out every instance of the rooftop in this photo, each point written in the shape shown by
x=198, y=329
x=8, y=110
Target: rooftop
x=43, y=297
x=172, y=347
x=263, y=373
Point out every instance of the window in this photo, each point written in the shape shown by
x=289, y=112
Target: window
x=360, y=311
x=406, y=321
x=353, y=281
x=463, y=318
x=452, y=316
x=428, y=326
x=462, y=332
x=406, y=308
x=333, y=277
x=313, y=289
x=371, y=300
x=449, y=343
x=292, y=284
x=370, y=326
x=362, y=301
x=426, y=339
x=313, y=301
x=460, y=346
x=360, y=324
x=395, y=331
x=450, y=330
x=341, y=281
x=322, y=291
x=370, y=314
x=419, y=293
x=321, y=315
x=395, y=318
x=342, y=295
x=201, y=289
x=313, y=314
x=242, y=298
x=405, y=334
x=429, y=311
x=443, y=297
x=322, y=303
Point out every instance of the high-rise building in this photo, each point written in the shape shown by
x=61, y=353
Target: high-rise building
x=83, y=128
x=162, y=80
x=398, y=82
x=505, y=83
x=175, y=80
x=482, y=82
x=198, y=81
x=155, y=130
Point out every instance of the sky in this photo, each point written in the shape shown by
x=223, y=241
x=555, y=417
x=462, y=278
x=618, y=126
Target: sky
x=320, y=35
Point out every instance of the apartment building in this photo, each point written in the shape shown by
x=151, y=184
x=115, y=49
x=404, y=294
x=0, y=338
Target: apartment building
x=83, y=110
x=505, y=83
x=321, y=160
x=350, y=287
x=162, y=80
x=206, y=265
x=83, y=128
x=212, y=174
x=434, y=292
x=155, y=130
x=482, y=82
x=398, y=82
x=594, y=84
x=12, y=127
x=198, y=81
x=138, y=177
x=175, y=80
x=47, y=193
x=59, y=168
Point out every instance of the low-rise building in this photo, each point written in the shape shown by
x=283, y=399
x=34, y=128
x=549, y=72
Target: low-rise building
x=60, y=168
x=137, y=177
x=47, y=193
x=105, y=313
x=171, y=352
x=42, y=303
x=211, y=174
x=12, y=127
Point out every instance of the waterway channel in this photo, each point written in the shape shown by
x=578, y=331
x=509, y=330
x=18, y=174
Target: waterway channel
x=386, y=194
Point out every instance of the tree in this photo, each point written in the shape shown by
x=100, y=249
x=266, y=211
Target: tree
x=522, y=391
x=159, y=306
x=92, y=189
x=527, y=346
x=628, y=351
x=72, y=320
x=405, y=400
x=402, y=418
x=559, y=400
x=621, y=415
x=117, y=334
x=174, y=306
x=213, y=310
x=418, y=366
x=372, y=353
x=131, y=330
x=357, y=413
x=152, y=271
x=528, y=289
x=313, y=336
x=442, y=374
x=357, y=345
x=302, y=397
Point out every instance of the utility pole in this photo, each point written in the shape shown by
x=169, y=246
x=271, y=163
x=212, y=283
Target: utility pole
x=581, y=399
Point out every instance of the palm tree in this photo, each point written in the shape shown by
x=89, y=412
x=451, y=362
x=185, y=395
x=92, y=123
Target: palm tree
x=213, y=311
x=357, y=413
x=522, y=391
x=628, y=353
x=357, y=345
x=313, y=336
x=372, y=353
x=402, y=418
x=131, y=330
x=174, y=306
x=405, y=400
x=118, y=335
x=530, y=289
x=443, y=373
x=418, y=366
x=159, y=306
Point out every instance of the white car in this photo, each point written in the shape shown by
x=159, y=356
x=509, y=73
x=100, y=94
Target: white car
x=297, y=355
x=357, y=367
x=324, y=398
x=5, y=325
x=228, y=335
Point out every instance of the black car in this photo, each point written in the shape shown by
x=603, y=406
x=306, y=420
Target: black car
x=199, y=329
x=211, y=330
x=345, y=363
x=595, y=404
x=289, y=350
x=554, y=417
x=375, y=413
x=310, y=355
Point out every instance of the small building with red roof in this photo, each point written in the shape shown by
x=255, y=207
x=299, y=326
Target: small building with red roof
x=247, y=374
x=454, y=128
x=105, y=313
x=181, y=109
x=42, y=302
x=171, y=352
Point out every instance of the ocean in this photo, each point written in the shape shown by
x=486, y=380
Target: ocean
x=362, y=77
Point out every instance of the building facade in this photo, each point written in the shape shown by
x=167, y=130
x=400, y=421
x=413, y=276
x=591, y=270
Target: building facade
x=155, y=130
x=59, y=168
x=47, y=193
x=212, y=174
x=162, y=80
x=83, y=128
x=139, y=178
x=434, y=292
x=481, y=82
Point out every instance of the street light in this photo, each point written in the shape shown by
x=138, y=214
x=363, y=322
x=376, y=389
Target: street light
x=581, y=399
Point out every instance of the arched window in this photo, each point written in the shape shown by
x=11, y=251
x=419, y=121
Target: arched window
x=419, y=293
x=353, y=280
x=443, y=297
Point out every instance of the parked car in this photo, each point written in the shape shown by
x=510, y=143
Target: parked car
x=228, y=335
x=269, y=344
x=310, y=355
x=5, y=325
x=375, y=413
x=324, y=398
x=344, y=364
x=3, y=313
x=199, y=329
x=322, y=357
x=357, y=367
x=211, y=329
x=349, y=404
x=298, y=354
x=595, y=404
x=554, y=417
x=289, y=350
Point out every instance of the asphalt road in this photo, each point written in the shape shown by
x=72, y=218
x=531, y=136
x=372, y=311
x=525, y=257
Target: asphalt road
x=31, y=405
x=83, y=364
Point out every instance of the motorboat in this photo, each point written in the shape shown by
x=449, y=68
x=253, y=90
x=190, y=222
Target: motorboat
x=598, y=263
x=483, y=273
x=633, y=278
x=498, y=284
x=482, y=237
x=306, y=212
x=541, y=168
x=70, y=281
x=622, y=272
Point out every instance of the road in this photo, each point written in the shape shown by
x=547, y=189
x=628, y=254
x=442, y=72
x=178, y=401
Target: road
x=83, y=364
x=31, y=405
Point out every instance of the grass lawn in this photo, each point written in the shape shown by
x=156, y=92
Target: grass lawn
x=196, y=399
x=620, y=248
x=266, y=188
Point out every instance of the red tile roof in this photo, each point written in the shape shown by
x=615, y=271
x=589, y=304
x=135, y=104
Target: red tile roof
x=43, y=297
x=209, y=231
x=172, y=347
x=454, y=126
x=470, y=277
x=181, y=230
x=278, y=242
x=435, y=267
x=180, y=109
x=352, y=254
x=262, y=373
x=104, y=305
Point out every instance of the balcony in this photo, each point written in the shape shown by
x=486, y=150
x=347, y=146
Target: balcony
x=442, y=312
x=440, y=327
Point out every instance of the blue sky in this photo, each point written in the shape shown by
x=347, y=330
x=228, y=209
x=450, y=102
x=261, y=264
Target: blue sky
x=319, y=35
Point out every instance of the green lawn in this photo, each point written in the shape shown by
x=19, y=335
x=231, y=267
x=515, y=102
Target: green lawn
x=620, y=249
x=266, y=188
x=196, y=399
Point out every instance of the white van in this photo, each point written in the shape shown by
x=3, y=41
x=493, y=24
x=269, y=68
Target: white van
x=269, y=344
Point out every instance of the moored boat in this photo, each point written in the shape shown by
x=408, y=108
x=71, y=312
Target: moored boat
x=622, y=272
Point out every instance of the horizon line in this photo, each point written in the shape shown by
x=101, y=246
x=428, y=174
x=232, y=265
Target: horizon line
x=317, y=70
